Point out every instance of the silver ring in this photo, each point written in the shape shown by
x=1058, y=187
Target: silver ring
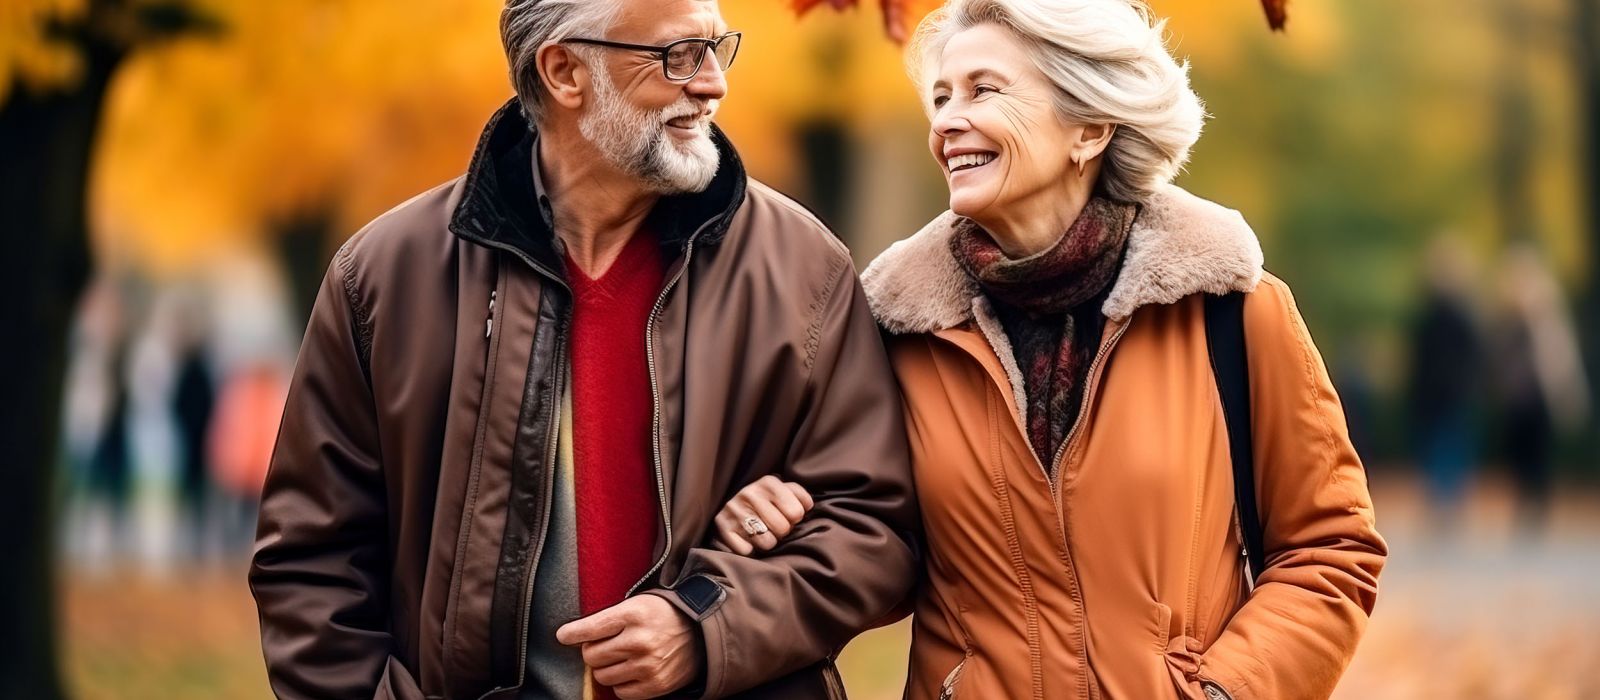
x=753, y=526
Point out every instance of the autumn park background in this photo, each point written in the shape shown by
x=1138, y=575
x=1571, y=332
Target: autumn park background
x=174, y=175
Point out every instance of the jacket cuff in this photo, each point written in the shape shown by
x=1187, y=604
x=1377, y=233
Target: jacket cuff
x=1200, y=677
x=696, y=596
x=1222, y=682
x=699, y=597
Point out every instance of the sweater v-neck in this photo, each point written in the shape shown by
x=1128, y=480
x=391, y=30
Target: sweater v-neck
x=639, y=264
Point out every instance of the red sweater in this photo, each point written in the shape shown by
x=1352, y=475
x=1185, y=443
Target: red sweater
x=615, y=494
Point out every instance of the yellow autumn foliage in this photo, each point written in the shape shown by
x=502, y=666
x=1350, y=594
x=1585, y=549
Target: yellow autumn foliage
x=356, y=105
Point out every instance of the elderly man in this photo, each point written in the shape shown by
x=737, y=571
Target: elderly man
x=524, y=395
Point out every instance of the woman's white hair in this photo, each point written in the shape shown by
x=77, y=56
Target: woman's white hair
x=528, y=25
x=1109, y=64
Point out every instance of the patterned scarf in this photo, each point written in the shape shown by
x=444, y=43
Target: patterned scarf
x=1049, y=304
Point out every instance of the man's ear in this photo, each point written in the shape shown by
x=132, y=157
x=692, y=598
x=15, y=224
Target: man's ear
x=1094, y=138
x=564, y=75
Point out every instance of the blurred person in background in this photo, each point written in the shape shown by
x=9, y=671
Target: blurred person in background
x=1049, y=334
x=95, y=430
x=1359, y=392
x=239, y=445
x=108, y=483
x=1543, y=389
x=194, y=397
x=523, y=395
x=1447, y=362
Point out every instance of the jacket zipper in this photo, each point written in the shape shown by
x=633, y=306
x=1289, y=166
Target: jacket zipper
x=527, y=604
x=655, y=419
x=552, y=437
x=1050, y=474
x=1055, y=491
x=655, y=396
x=488, y=324
x=655, y=401
x=1083, y=407
x=1244, y=551
x=947, y=689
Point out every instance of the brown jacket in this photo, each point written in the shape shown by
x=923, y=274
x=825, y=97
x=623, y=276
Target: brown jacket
x=408, y=494
x=1122, y=578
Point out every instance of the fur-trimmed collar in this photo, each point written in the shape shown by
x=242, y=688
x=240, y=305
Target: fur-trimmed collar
x=1180, y=245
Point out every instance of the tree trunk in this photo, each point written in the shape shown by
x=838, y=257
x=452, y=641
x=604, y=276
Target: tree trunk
x=1515, y=128
x=1586, y=45
x=47, y=140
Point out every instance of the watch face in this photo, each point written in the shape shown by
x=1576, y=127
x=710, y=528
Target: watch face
x=699, y=593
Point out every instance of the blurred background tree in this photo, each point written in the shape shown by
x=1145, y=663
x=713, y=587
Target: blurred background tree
x=58, y=63
x=1583, y=44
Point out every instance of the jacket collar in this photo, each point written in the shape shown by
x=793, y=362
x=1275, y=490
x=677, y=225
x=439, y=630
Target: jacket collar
x=1180, y=245
x=503, y=202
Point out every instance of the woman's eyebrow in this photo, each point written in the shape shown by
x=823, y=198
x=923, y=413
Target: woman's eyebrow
x=972, y=77
x=975, y=75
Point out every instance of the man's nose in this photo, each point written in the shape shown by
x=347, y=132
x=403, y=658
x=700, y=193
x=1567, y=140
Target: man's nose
x=711, y=83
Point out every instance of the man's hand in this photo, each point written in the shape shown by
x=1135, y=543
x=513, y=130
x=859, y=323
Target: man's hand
x=640, y=648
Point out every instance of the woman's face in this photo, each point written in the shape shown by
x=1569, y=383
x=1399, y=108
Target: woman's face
x=994, y=129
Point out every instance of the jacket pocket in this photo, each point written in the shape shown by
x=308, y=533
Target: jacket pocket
x=397, y=683
x=952, y=681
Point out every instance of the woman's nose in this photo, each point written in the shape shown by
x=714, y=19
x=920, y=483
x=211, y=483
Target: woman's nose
x=948, y=122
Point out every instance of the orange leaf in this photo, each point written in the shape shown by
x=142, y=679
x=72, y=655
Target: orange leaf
x=900, y=17
x=1277, y=13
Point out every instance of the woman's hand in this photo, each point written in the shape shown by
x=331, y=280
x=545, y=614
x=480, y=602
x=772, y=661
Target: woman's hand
x=761, y=514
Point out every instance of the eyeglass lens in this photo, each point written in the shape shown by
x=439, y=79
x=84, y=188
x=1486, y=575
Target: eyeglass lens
x=683, y=59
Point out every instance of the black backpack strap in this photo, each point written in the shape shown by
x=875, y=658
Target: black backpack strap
x=1225, y=338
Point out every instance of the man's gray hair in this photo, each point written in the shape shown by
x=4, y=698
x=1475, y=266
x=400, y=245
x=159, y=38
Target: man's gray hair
x=1108, y=63
x=528, y=25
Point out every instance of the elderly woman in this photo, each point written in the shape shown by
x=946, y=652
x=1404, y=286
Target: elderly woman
x=1072, y=456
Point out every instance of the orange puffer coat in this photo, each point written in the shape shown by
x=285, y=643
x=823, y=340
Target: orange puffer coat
x=1118, y=573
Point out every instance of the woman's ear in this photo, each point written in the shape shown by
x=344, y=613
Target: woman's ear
x=564, y=76
x=1093, y=140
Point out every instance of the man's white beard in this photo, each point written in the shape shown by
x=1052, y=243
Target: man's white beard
x=635, y=141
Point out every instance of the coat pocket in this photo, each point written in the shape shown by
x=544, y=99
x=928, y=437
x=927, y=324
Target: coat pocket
x=397, y=683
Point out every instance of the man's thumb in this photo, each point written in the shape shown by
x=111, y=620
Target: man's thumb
x=601, y=625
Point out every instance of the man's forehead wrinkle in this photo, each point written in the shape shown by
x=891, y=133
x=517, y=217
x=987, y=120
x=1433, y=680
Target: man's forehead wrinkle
x=650, y=25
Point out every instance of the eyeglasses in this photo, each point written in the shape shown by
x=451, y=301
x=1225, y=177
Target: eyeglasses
x=681, y=59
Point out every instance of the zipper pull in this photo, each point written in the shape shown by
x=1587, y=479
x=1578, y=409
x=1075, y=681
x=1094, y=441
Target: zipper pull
x=489, y=324
x=1244, y=550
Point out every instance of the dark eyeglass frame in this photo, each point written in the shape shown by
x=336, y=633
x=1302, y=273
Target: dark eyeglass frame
x=662, y=52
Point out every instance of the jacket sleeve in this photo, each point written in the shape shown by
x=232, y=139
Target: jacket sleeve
x=1298, y=630
x=319, y=572
x=851, y=561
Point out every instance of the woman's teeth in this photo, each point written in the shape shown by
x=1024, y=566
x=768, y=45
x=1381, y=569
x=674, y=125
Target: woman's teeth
x=969, y=160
